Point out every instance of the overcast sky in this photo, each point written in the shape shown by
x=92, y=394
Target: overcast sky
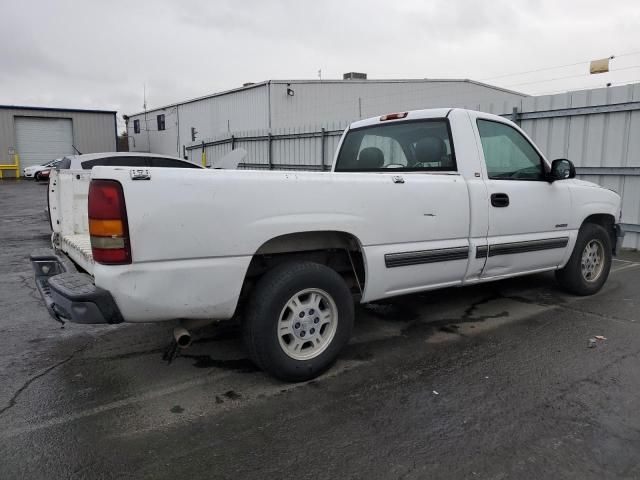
x=99, y=54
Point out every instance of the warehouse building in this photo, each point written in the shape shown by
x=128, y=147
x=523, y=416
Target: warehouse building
x=37, y=135
x=302, y=104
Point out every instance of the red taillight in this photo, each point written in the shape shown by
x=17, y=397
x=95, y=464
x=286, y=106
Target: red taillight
x=393, y=116
x=108, y=223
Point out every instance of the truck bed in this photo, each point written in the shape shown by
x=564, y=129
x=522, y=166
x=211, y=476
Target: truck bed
x=78, y=248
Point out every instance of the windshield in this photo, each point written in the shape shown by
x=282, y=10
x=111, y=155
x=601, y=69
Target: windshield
x=417, y=145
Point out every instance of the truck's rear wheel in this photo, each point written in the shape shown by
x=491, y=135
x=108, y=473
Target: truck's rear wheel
x=588, y=267
x=299, y=317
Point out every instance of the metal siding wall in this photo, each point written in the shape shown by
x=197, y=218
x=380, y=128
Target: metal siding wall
x=162, y=141
x=314, y=103
x=610, y=139
x=7, y=136
x=210, y=116
x=92, y=131
x=215, y=116
x=138, y=142
x=322, y=102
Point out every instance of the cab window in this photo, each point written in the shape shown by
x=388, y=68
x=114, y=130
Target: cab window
x=508, y=154
x=412, y=146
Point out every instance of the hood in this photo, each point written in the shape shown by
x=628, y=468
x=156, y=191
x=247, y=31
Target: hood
x=584, y=183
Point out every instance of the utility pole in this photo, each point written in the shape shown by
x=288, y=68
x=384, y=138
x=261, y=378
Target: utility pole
x=146, y=120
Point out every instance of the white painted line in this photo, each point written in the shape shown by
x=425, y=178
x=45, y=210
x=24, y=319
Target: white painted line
x=625, y=261
x=625, y=267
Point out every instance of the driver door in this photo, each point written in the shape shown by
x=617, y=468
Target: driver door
x=528, y=216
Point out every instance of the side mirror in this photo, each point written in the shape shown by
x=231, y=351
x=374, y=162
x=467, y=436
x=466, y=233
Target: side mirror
x=561, y=169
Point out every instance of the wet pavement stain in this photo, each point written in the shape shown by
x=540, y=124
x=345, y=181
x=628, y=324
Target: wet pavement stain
x=232, y=395
x=357, y=355
x=451, y=325
x=398, y=312
x=177, y=409
x=449, y=328
x=242, y=365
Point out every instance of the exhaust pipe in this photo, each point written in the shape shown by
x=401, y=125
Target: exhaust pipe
x=182, y=337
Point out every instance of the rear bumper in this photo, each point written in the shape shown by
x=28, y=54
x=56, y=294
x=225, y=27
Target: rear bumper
x=70, y=295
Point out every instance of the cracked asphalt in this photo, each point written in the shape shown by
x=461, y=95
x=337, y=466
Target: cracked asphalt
x=493, y=382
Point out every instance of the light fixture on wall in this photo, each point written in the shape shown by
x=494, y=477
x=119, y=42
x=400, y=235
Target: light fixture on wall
x=290, y=91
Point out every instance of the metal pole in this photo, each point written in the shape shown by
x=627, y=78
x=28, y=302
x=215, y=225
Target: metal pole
x=269, y=153
x=322, y=147
x=514, y=115
x=233, y=142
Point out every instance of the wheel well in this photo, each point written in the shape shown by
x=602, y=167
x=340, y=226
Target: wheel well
x=606, y=221
x=340, y=251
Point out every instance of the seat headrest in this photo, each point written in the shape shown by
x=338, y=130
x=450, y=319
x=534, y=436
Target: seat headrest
x=370, y=158
x=430, y=149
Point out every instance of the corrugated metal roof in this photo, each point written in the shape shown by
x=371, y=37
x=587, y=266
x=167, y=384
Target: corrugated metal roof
x=54, y=109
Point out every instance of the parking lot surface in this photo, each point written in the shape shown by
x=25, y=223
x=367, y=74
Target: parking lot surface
x=494, y=381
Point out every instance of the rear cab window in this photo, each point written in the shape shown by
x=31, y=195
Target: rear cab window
x=408, y=146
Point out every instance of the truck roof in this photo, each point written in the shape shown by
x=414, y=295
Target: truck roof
x=411, y=115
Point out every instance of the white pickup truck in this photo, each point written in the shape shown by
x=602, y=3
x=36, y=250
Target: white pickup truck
x=415, y=201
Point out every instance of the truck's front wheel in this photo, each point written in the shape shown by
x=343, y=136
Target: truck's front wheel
x=299, y=317
x=589, y=264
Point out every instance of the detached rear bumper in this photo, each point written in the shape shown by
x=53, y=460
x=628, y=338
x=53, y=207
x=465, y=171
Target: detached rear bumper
x=70, y=295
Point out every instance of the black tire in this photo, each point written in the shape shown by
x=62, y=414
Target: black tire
x=36, y=177
x=262, y=318
x=571, y=277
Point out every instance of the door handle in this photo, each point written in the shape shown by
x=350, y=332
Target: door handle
x=499, y=200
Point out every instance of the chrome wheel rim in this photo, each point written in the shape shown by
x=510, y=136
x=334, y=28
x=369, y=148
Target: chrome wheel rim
x=307, y=324
x=592, y=262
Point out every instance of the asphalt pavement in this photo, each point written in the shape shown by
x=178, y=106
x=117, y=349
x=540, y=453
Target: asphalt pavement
x=492, y=382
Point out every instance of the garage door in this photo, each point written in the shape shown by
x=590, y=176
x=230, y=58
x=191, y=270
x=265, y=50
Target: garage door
x=39, y=140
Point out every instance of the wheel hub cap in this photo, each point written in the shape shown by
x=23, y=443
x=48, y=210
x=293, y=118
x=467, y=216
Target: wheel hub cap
x=307, y=324
x=592, y=261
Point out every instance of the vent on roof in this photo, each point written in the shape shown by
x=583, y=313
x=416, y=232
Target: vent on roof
x=354, y=76
x=248, y=84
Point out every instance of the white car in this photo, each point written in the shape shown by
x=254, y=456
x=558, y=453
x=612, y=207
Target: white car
x=119, y=159
x=415, y=201
x=35, y=170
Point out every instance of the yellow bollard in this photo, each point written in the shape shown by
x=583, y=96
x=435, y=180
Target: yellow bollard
x=15, y=166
